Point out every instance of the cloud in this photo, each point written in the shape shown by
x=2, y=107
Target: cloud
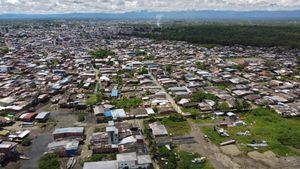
x=66, y=6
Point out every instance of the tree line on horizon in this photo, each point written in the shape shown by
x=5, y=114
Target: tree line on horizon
x=222, y=34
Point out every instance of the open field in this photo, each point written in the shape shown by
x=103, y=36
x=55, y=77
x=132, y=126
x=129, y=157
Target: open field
x=186, y=161
x=264, y=124
x=176, y=128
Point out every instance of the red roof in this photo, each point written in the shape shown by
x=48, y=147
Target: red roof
x=29, y=116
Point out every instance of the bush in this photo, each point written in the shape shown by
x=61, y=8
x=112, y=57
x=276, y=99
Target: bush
x=143, y=71
x=290, y=139
x=4, y=50
x=223, y=106
x=175, y=117
x=201, y=66
x=81, y=117
x=100, y=54
x=49, y=161
x=100, y=157
x=26, y=141
x=200, y=96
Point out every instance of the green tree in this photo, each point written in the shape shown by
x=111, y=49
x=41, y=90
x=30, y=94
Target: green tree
x=4, y=50
x=101, y=53
x=169, y=68
x=81, y=117
x=26, y=141
x=176, y=117
x=200, y=96
x=201, y=66
x=223, y=106
x=143, y=71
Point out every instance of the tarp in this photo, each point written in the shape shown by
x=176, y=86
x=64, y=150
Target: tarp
x=107, y=113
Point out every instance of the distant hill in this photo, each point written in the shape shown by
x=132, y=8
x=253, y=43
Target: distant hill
x=176, y=15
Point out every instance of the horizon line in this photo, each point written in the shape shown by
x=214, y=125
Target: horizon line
x=151, y=11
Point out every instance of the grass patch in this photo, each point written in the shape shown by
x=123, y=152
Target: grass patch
x=186, y=159
x=93, y=99
x=176, y=128
x=128, y=103
x=101, y=157
x=264, y=124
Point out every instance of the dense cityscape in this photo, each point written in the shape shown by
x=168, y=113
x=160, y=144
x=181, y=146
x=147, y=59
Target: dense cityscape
x=92, y=95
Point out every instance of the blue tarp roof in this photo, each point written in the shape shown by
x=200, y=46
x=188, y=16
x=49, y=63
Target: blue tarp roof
x=114, y=93
x=107, y=113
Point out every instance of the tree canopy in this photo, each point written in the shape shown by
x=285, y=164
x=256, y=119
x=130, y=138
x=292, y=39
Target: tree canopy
x=101, y=53
x=229, y=34
x=200, y=96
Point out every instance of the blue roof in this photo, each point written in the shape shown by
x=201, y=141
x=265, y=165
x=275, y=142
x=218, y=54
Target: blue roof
x=114, y=93
x=107, y=113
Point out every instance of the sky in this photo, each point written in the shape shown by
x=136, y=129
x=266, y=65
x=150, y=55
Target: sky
x=113, y=6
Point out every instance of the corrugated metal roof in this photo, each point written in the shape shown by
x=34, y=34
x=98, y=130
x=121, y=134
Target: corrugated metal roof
x=42, y=115
x=69, y=130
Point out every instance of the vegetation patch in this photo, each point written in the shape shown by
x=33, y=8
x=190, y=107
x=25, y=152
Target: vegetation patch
x=49, y=161
x=100, y=54
x=101, y=157
x=229, y=34
x=93, y=99
x=264, y=124
x=128, y=103
x=176, y=125
x=200, y=96
x=187, y=161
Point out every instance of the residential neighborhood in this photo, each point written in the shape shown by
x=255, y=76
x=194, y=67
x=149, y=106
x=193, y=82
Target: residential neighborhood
x=91, y=95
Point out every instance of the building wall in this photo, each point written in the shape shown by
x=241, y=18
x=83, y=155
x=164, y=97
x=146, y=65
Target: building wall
x=129, y=164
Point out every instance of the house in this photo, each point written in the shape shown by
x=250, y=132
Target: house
x=8, y=151
x=98, y=110
x=29, y=117
x=158, y=130
x=166, y=109
x=69, y=132
x=118, y=114
x=42, y=117
x=105, y=148
x=123, y=161
x=114, y=93
x=101, y=165
x=64, y=148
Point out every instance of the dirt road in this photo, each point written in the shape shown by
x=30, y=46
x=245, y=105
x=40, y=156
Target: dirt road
x=217, y=158
x=170, y=99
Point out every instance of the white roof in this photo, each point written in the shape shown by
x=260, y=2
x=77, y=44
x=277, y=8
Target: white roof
x=23, y=133
x=144, y=159
x=104, y=78
x=127, y=157
x=42, y=115
x=127, y=140
x=118, y=113
x=149, y=111
x=101, y=165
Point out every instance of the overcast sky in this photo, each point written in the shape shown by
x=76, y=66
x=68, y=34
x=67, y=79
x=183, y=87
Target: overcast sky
x=67, y=6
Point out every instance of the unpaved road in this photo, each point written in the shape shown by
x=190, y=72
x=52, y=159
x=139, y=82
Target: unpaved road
x=217, y=158
x=170, y=99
